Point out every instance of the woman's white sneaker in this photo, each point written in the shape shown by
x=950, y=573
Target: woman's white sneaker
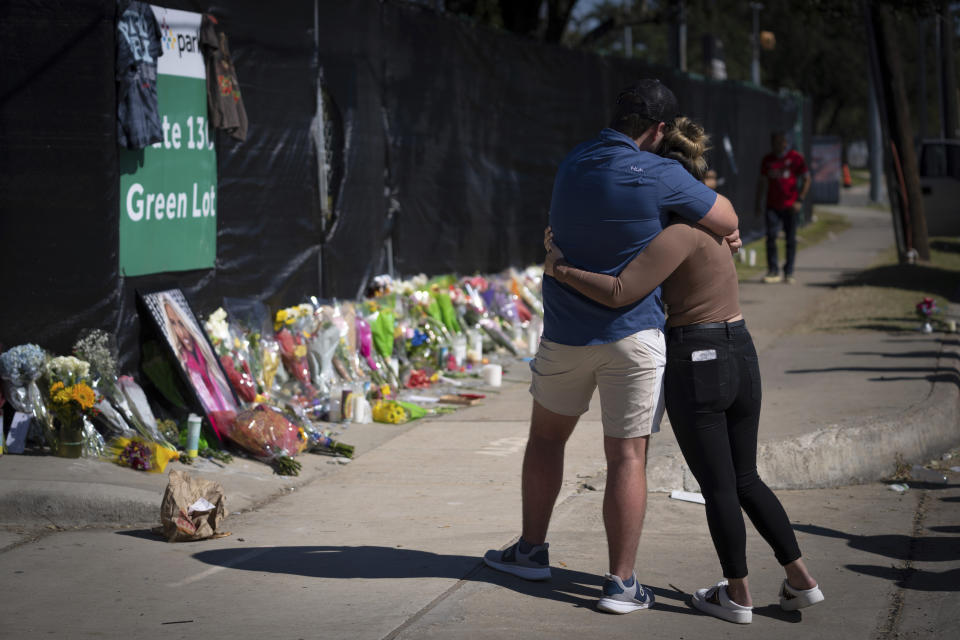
x=792, y=599
x=715, y=601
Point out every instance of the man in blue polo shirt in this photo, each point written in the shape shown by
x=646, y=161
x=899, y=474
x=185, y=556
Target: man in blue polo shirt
x=611, y=197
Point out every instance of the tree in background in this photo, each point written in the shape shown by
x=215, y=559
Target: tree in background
x=523, y=17
x=821, y=50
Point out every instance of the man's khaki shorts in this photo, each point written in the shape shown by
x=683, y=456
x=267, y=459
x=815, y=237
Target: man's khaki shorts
x=628, y=372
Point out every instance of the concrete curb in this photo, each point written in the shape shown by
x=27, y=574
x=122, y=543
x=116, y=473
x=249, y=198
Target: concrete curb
x=856, y=453
x=65, y=506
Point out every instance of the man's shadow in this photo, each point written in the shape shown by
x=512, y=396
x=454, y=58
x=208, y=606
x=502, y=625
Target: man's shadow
x=372, y=562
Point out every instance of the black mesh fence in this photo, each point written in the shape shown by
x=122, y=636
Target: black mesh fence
x=446, y=141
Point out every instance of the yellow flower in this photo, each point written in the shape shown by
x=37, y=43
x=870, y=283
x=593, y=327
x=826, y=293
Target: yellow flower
x=389, y=411
x=83, y=395
x=300, y=351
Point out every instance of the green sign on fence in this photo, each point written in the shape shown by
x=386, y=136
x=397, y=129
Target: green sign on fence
x=168, y=191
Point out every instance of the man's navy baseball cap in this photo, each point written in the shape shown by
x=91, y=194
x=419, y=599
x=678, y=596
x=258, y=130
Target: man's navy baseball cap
x=648, y=98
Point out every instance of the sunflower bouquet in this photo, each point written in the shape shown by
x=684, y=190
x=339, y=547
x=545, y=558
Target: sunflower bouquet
x=71, y=397
x=396, y=411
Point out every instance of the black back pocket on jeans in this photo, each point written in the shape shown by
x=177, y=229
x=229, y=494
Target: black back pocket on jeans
x=704, y=380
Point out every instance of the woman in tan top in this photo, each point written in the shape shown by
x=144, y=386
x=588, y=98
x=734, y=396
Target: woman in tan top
x=712, y=387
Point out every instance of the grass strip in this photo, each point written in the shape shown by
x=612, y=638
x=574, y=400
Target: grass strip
x=884, y=296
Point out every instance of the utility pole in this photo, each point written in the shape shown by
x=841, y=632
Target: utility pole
x=905, y=174
x=678, y=36
x=682, y=36
x=755, y=65
x=941, y=98
x=874, y=140
x=713, y=61
x=922, y=88
x=948, y=78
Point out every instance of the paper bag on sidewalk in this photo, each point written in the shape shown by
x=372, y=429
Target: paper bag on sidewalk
x=192, y=508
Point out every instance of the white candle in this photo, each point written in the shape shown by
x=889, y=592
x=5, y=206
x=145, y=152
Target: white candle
x=492, y=374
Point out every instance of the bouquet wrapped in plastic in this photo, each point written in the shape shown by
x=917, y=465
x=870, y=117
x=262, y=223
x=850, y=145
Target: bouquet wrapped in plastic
x=132, y=402
x=396, y=411
x=322, y=351
x=925, y=309
x=123, y=408
x=378, y=372
x=20, y=368
x=141, y=454
x=294, y=326
x=71, y=398
x=268, y=435
x=234, y=354
x=524, y=283
x=249, y=324
x=100, y=349
x=322, y=441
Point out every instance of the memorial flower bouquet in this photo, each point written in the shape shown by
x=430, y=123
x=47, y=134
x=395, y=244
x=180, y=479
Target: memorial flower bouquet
x=294, y=326
x=926, y=308
x=270, y=436
x=367, y=352
x=71, y=397
x=345, y=359
x=322, y=441
x=524, y=283
x=20, y=367
x=396, y=411
x=250, y=323
x=234, y=354
x=141, y=454
x=99, y=348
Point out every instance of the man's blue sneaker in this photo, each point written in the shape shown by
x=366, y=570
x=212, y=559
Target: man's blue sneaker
x=620, y=597
x=531, y=564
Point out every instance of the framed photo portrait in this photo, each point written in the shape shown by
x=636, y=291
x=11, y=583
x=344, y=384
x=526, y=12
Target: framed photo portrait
x=175, y=322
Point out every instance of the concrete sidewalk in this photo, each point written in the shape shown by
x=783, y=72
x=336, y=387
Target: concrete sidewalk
x=838, y=408
x=389, y=546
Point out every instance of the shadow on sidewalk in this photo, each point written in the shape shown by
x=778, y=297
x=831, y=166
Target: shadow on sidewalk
x=904, y=547
x=942, y=283
x=951, y=374
x=897, y=546
x=949, y=371
x=907, y=354
x=372, y=562
x=916, y=579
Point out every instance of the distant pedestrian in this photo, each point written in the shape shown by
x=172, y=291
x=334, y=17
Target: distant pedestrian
x=610, y=198
x=780, y=171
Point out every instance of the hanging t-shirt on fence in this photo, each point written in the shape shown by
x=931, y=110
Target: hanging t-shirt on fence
x=138, y=47
x=224, y=103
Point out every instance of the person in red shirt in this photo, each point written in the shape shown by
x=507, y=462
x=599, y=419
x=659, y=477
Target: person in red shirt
x=780, y=171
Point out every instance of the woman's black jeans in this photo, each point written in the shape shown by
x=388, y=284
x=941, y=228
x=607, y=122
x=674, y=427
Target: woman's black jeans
x=712, y=387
